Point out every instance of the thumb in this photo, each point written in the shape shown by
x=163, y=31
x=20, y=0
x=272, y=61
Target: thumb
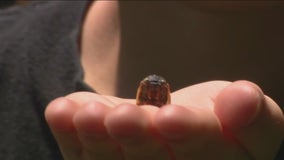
x=251, y=118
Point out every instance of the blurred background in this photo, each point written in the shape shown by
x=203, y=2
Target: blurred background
x=8, y=3
x=189, y=42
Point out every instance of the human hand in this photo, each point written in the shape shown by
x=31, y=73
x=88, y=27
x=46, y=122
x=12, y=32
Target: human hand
x=213, y=120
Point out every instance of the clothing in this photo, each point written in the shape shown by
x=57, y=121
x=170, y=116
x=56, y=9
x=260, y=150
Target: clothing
x=39, y=61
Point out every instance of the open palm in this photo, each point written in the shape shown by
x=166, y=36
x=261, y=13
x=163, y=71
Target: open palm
x=214, y=120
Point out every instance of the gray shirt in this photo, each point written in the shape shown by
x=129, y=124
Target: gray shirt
x=39, y=61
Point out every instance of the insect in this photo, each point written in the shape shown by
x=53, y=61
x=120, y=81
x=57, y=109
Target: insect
x=153, y=90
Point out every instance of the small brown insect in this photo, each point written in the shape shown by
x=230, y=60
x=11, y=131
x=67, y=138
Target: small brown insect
x=153, y=90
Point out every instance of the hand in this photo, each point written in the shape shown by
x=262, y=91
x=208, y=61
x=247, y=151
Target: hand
x=213, y=120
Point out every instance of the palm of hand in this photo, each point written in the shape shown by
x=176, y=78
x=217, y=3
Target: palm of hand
x=193, y=127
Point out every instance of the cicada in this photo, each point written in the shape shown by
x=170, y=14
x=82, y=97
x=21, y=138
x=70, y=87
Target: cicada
x=153, y=90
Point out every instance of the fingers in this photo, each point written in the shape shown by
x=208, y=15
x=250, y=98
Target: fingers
x=89, y=122
x=188, y=131
x=77, y=124
x=251, y=118
x=59, y=114
x=132, y=127
x=194, y=133
x=89, y=129
x=90, y=126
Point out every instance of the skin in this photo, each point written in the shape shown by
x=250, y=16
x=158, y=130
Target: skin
x=212, y=120
x=92, y=126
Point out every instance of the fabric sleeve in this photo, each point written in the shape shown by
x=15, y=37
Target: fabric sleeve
x=39, y=61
